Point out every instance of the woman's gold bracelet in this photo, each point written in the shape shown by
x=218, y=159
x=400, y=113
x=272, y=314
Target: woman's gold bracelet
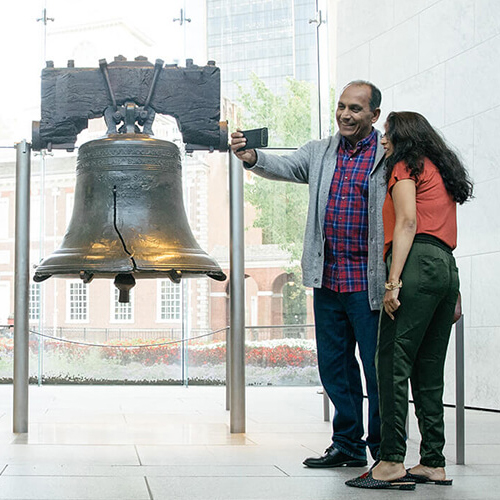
x=393, y=285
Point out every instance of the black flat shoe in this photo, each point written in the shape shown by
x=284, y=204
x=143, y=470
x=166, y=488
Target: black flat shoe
x=367, y=481
x=333, y=458
x=419, y=479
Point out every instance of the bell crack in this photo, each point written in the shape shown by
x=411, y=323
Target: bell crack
x=118, y=231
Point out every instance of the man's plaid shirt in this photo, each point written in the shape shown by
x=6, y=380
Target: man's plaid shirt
x=346, y=218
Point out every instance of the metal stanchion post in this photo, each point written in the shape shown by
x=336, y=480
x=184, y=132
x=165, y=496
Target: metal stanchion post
x=237, y=296
x=407, y=423
x=326, y=406
x=228, y=369
x=460, y=390
x=21, y=286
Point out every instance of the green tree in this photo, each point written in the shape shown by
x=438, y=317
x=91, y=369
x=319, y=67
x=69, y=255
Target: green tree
x=287, y=117
x=281, y=206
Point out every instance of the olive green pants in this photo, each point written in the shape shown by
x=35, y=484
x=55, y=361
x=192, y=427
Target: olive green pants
x=413, y=346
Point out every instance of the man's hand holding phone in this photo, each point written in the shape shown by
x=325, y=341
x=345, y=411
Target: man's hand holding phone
x=243, y=144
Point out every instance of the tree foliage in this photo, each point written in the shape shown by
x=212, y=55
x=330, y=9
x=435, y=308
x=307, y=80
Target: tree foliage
x=288, y=117
x=281, y=206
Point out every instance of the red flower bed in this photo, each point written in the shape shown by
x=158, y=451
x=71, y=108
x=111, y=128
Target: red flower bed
x=280, y=355
x=151, y=355
x=166, y=352
x=6, y=346
x=207, y=355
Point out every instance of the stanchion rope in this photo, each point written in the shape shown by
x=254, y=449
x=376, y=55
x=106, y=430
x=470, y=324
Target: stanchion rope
x=180, y=341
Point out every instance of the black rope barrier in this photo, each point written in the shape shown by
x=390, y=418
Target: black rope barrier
x=179, y=341
x=89, y=344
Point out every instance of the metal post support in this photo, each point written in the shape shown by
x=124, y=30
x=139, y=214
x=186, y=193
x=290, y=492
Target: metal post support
x=186, y=332
x=237, y=296
x=326, y=406
x=407, y=423
x=21, y=286
x=228, y=368
x=460, y=389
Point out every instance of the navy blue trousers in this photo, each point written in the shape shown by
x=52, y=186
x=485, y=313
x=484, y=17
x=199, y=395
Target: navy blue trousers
x=344, y=320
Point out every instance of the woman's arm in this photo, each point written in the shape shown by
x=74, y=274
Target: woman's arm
x=405, y=209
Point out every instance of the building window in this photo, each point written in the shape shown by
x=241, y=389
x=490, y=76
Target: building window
x=169, y=301
x=77, y=302
x=5, y=309
x=122, y=312
x=4, y=215
x=34, y=304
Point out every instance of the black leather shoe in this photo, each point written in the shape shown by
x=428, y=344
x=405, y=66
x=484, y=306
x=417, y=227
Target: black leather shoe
x=333, y=458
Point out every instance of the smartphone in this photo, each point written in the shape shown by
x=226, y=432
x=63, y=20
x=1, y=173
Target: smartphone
x=256, y=138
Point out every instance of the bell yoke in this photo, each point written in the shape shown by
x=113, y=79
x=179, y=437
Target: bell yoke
x=128, y=218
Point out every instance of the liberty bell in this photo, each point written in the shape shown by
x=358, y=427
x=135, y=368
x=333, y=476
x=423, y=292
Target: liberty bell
x=128, y=218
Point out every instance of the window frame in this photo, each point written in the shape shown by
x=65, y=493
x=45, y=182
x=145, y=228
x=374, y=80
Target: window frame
x=68, y=302
x=159, y=296
x=113, y=303
x=35, y=292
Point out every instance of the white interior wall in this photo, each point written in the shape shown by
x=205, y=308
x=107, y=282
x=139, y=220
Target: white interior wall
x=441, y=58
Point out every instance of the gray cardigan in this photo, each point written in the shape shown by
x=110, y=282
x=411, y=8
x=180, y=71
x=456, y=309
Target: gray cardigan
x=314, y=164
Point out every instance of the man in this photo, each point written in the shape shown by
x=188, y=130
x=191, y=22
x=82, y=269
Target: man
x=342, y=260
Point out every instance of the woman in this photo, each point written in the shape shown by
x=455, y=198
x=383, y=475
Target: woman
x=426, y=180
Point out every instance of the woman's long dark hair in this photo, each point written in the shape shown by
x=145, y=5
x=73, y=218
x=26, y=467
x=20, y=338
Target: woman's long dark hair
x=413, y=139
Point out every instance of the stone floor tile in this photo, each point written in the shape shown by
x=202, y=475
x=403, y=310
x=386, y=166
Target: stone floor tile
x=73, y=488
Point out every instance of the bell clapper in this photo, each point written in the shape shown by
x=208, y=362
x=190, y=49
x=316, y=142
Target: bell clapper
x=124, y=283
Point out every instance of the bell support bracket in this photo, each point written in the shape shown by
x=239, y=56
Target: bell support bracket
x=71, y=96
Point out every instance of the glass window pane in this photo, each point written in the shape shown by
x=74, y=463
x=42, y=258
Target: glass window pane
x=169, y=301
x=4, y=216
x=266, y=52
x=267, y=55
x=77, y=302
x=122, y=311
x=34, y=301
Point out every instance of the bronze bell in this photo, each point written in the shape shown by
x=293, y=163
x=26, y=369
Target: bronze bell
x=128, y=218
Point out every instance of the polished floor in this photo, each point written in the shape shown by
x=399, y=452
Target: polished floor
x=156, y=443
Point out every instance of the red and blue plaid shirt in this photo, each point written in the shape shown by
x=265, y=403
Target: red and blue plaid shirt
x=346, y=218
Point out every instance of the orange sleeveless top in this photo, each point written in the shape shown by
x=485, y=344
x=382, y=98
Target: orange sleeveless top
x=436, y=209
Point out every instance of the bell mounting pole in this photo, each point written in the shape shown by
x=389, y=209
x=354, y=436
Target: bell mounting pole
x=237, y=297
x=21, y=284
